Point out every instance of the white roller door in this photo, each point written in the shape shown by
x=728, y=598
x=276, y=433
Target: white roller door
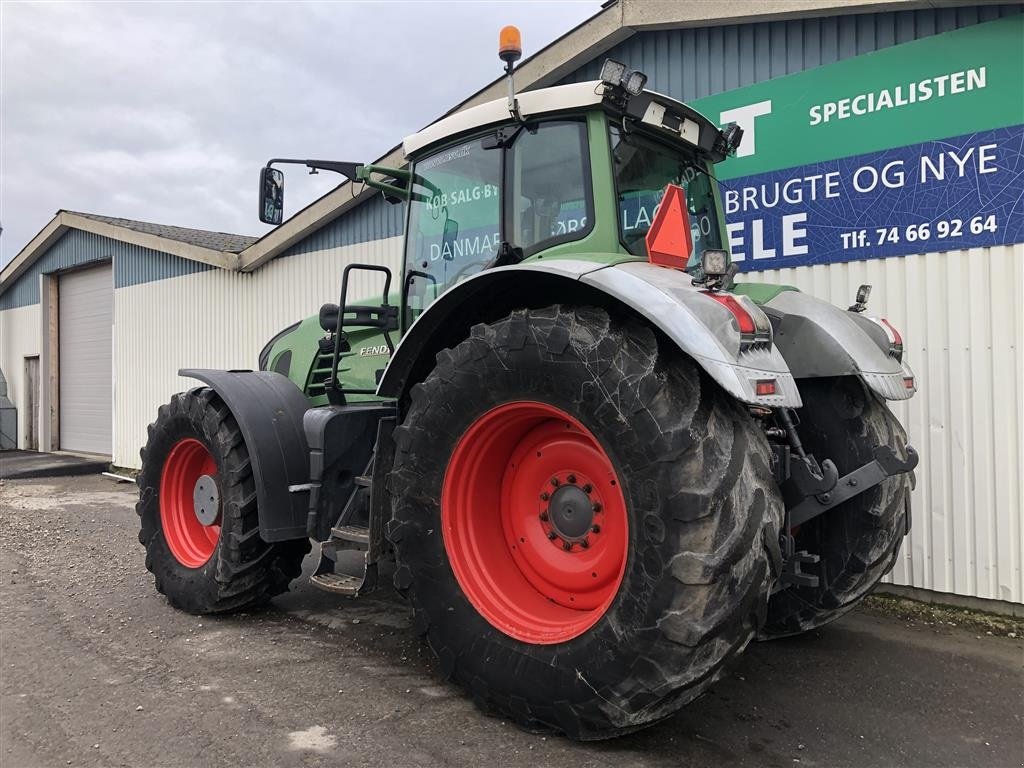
x=86, y=302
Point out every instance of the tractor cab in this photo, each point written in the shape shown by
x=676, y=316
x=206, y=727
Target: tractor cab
x=570, y=170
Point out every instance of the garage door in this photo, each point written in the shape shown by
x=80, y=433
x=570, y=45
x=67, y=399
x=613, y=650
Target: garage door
x=86, y=302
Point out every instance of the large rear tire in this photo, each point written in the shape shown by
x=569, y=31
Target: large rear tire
x=197, y=504
x=525, y=426
x=859, y=540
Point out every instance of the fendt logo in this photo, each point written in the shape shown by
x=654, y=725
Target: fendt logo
x=381, y=349
x=746, y=118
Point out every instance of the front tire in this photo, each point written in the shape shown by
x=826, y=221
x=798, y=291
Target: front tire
x=197, y=508
x=595, y=640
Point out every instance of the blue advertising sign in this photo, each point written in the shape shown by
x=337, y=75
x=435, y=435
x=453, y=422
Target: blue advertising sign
x=964, y=192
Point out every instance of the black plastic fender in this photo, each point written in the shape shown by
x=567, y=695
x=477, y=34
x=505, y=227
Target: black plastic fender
x=269, y=409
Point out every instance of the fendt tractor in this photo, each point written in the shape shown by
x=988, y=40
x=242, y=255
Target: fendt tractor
x=595, y=464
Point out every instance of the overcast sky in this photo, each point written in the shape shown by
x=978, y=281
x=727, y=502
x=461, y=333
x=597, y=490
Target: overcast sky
x=164, y=112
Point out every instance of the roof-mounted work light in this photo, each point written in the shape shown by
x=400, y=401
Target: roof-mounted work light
x=615, y=75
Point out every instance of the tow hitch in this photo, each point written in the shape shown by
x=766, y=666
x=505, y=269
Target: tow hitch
x=811, y=489
x=886, y=464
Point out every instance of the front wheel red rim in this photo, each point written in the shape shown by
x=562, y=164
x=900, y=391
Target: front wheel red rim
x=189, y=468
x=534, y=522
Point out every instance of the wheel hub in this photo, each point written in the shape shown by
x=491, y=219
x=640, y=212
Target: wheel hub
x=571, y=513
x=535, y=522
x=190, y=509
x=206, y=500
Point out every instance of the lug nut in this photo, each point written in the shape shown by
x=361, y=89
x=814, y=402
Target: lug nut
x=567, y=546
x=554, y=481
x=588, y=488
x=585, y=543
x=544, y=496
x=596, y=507
x=552, y=535
x=571, y=479
x=595, y=529
x=543, y=515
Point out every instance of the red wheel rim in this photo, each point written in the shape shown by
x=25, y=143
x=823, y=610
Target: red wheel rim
x=191, y=542
x=540, y=561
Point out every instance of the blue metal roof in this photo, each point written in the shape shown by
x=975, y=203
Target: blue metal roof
x=131, y=264
x=692, y=63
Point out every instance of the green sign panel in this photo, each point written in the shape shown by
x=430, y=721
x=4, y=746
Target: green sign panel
x=951, y=84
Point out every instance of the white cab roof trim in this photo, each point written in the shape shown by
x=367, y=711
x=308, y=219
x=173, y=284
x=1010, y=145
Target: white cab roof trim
x=556, y=99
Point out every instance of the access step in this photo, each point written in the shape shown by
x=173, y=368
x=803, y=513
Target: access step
x=357, y=534
x=339, y=583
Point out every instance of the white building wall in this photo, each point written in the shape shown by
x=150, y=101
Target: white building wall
x=20, y=330
x=961, y=320
x=219, y=319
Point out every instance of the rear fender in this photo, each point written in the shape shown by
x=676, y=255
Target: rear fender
x=820, y=339
x=269, y=409
x=667, y=298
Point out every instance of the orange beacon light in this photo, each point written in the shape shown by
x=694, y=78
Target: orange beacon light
x=510, y=44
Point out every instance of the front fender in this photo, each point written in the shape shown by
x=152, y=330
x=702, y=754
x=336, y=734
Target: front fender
x=667, y=298
x=269, y=409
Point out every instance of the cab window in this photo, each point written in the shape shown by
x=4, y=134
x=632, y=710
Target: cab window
x=454, y=220
x=550, y=185
x=642, y=170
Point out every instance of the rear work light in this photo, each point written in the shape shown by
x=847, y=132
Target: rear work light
x=753, y=325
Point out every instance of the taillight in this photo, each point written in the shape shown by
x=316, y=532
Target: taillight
x=894, y=337
x=752, y=323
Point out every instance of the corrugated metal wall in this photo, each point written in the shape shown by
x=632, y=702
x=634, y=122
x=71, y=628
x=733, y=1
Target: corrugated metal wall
x=372, y=220
x=692, y=63
x=134, y=264
x=963, y=328
x=20, y=330
x=218, y=319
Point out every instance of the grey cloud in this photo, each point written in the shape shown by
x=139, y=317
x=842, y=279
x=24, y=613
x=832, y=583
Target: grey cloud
x=164, y=111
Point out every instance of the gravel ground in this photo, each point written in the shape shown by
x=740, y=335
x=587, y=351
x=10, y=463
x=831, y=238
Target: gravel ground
x=97, y=670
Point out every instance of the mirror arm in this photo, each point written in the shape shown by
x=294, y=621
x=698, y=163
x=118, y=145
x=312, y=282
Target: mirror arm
x=403, y=174
x=350, y=170
x=402, y=193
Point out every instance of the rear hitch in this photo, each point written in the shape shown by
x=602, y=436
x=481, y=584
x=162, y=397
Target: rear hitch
x=886, y=464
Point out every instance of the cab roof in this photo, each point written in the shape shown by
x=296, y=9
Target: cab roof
x=556, y=99
x=560, y=98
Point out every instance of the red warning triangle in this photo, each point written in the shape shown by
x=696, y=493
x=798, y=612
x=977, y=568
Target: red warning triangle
x=669, y=241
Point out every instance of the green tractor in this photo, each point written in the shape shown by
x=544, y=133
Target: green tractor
x=595, y=465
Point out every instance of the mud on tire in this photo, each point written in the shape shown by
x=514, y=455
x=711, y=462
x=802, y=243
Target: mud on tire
x=243, y=570
x=859, y=540
x=701, y=506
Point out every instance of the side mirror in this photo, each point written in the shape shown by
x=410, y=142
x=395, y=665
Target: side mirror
x=451, y=231
x=271, y=195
